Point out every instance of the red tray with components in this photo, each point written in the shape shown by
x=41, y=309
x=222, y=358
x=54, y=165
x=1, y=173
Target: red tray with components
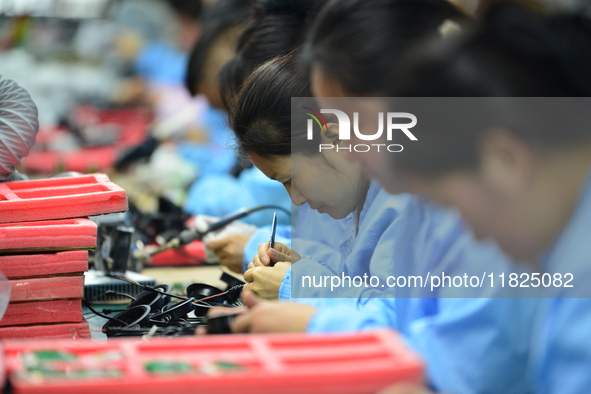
x=42, y=264
x=47, y=331
x=288, y=363
x=47, y=288
x=47, y=235
x=35, y=312
x=60, y=198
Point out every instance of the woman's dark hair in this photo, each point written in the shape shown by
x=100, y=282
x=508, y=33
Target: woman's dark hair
x=189, y=8
x=261, y=115
x=277, y=28
x=531, y=70
x=218, y=18
x=359, y=43
x=514, y=52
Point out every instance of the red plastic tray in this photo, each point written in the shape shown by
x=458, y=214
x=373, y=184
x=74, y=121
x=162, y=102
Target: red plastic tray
x=191, y=254
x=60, y=198
x=84, y=160
x=48, y=235
x=42, y=264
x=47, y=331
x=290, y=364
x=48, y=288
x=35, y=312
x=87, y=114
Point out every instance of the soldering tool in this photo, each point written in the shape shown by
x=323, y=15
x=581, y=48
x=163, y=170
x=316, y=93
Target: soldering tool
x=273, y=232
x=193, y=234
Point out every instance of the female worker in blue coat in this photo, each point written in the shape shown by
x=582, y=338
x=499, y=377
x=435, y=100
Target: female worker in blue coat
x=384, y=235
x=474, y=345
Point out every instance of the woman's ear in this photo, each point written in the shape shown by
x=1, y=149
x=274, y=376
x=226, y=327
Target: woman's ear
x=330, y=135
x=506, y=163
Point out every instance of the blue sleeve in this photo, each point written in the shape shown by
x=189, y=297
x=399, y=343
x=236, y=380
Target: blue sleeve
x=462, y=347
x=341, y=315
x=285, y=287
x=476, y=345
x=562, y=348
x=469, y=344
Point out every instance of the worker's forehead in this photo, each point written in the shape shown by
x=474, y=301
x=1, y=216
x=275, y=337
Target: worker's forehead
x=274, y=167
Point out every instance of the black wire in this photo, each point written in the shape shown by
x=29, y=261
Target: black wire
x=212, y=227
x=87, y=304
x=155, y=290
x=280, y=208
x=189, y=235
x=236, y=287
x=111, y=292
x=90, y=315
x=150, y=288
x=109, y=311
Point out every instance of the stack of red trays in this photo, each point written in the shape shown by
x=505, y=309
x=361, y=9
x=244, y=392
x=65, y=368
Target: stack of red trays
x=44, y=243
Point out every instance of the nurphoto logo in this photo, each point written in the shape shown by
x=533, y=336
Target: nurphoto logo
x=392, y=120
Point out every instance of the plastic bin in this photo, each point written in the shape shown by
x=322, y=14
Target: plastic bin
x=43, y=264
x=46, y=235
x=60, y=198
x=289, y=364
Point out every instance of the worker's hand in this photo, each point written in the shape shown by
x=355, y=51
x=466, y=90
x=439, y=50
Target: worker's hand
x=219, y=311
x=265, y=281
x=272, y=316
x=280, y=252
x=230, y=250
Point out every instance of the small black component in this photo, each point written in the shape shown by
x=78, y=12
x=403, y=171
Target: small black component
x=220, y=324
